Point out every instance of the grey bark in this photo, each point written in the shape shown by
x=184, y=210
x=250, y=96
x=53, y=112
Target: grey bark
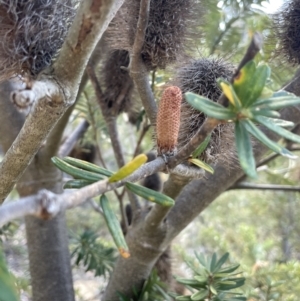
x=47, y=241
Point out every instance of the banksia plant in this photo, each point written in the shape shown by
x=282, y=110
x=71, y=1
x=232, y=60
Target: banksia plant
x=172, y=27
x=287, y=30
x=168, y=121
x=31, y=34
x=200, y=77
x=118, y=83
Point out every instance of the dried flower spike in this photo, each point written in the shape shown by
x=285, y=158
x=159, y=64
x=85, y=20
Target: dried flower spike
x=168, y=121
x=287, y=31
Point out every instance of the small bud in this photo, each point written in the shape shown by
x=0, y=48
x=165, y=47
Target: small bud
x=168, y=120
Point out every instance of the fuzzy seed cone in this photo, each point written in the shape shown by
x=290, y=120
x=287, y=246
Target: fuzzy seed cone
x=168, y=120
x=118, y=83
x=287, y=31
x=199, y=76
x=173, y=28
x=31, y=33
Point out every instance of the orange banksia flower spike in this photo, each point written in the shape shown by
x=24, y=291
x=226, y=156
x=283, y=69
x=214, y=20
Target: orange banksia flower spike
x=168, y=121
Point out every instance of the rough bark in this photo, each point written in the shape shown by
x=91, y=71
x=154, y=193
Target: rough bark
x=47, y=240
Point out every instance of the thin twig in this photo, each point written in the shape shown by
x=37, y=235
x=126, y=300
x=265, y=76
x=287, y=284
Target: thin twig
x=93, y=124
x=144, y=131
x=95, y=206
x=109, y=119
x=252, y=186
x=68, y=145
x=223, y=32
x=137, y=68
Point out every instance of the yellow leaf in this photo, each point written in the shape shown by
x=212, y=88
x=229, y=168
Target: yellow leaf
x=228, y=92
x=128, y=168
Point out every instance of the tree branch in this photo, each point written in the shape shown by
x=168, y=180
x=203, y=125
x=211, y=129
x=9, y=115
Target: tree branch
x=47, y=204
x=252, y=186
x=137, y=68
x=223, y=32
x=51, y=96
x=11, y=120
x=66, y=148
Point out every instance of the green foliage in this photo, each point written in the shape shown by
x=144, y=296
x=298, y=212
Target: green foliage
x=114, y=227
x=153, y=290
x=276, y=282
x=251, y=103
x=7, y=287
x=212, y=281
x=93, y=254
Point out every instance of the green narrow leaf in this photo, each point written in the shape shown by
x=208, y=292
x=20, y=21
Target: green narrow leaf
x=213, y=290
x=202, y=260
x=201, y=279
x=244, y=149
x=76, y=172
x=259, y=81
x=268, y=123
x=150, y=195
x=265, y=112
x=229, y=269
x=202, y=165
x=201, y=148
x=243, y=81
x=200, y=295
x=183, y=298
x=185, y=281
x=72, y=184
x=114, y=227
x=278, y=102
x=258, y=134
x=213, y=262
x=87, y=166
x=220, y=262
x=208, y=107
x=283, y=123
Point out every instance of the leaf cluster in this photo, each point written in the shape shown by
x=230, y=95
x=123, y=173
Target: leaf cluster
x=251, y=104
x=93, y=254
x=212, y=281
x=153, y=290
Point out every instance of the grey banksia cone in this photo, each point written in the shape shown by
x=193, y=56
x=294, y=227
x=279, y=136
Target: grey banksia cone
x=287, y=31
x=31, y=34
x=173, y=29
x=200, y=77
